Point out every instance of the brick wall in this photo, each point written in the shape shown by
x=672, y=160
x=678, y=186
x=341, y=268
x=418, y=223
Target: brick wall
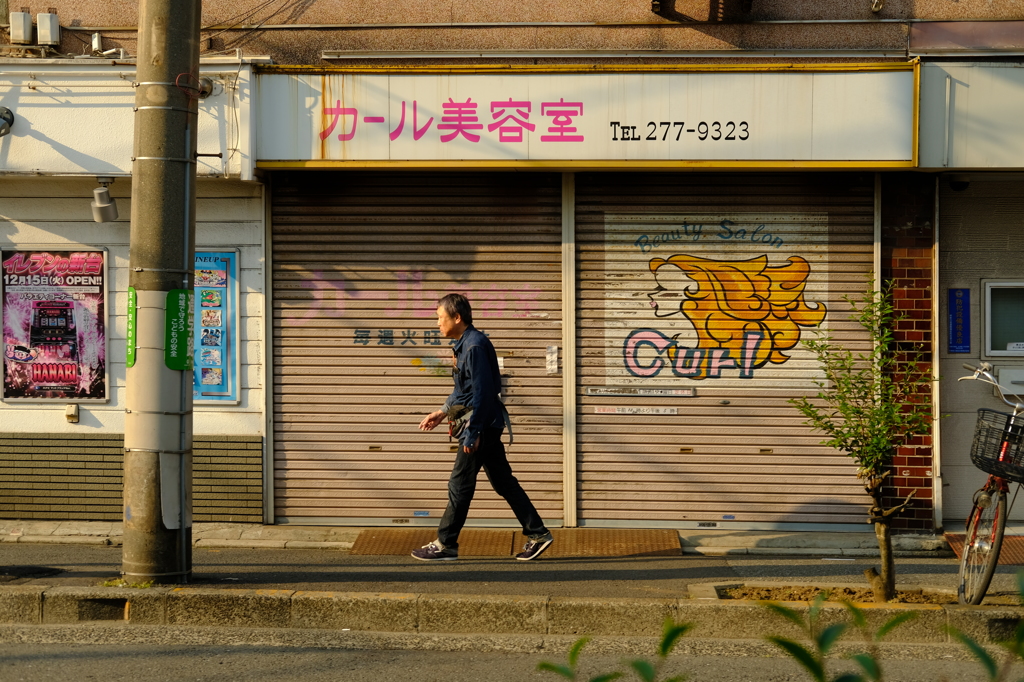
x=79, y=477
x=908, y=208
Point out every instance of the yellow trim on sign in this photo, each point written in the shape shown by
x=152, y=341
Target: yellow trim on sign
x=575, y=165
x=917, y=110
x=589, y=68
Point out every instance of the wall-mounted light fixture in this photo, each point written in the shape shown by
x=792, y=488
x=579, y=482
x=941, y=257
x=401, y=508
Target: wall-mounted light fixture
x=104, y=208
x=205, y=87
x=6, y=120
x=71, y=413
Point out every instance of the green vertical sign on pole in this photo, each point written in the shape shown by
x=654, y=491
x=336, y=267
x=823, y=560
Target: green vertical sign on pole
x=133, y=322
x=178, y=343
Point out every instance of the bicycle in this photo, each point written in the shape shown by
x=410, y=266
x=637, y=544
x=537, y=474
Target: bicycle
x=998, y=450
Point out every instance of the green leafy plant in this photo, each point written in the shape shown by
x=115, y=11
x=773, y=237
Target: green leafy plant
x=813, y=659
x=868, y=404
x=869, y=661
x=1014, y=647
x=644, y=669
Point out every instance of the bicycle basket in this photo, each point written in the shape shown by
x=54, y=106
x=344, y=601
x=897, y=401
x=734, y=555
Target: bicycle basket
x=998, y=447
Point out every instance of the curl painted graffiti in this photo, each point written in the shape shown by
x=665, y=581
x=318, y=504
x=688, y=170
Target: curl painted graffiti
x=745, y=314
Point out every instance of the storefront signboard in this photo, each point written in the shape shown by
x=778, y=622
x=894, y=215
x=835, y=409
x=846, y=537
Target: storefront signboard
x=827, y=117
x=54, y=317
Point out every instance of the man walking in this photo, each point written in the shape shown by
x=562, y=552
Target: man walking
x=474, y=406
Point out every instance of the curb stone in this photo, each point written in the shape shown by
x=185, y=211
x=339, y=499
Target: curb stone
x=62, y=540
x=446, y=615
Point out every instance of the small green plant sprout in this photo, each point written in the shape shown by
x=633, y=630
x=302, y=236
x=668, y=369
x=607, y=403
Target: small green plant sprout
x=813, y=658
x=648, y=671
x=645, y=670
x=1014, y=647
x=822, y=639
x=869, y=660
x=571, y=671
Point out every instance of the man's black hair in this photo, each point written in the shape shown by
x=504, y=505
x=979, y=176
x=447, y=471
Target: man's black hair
x=457, y=304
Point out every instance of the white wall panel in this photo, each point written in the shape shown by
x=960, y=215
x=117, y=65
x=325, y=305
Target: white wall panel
x=981, y=238
x=970, y=115
x=55, y=211
x=74, y=117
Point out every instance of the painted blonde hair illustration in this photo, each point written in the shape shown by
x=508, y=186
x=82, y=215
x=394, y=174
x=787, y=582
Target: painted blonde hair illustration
x=729, y=302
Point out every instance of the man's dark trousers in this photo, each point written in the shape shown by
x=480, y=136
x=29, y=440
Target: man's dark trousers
x=462, y=484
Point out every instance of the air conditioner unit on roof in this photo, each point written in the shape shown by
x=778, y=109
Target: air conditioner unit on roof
x=21, y=28
x=48, y=29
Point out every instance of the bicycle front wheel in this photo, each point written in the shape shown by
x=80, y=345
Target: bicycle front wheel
x=982, y=543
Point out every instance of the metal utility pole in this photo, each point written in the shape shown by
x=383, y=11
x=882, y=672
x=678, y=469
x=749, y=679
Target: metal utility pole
x=158, y=423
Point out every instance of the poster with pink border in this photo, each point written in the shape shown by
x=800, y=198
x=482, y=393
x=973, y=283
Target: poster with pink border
x=54, y=316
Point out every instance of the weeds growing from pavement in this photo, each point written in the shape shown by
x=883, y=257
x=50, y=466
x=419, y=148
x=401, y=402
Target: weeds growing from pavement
x=813, y=658
x=644, y=669
x=1014, y=647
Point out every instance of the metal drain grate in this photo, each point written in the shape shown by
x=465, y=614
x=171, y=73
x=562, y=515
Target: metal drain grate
x=1011, y=554
x=569, y=542
x=594, y=542
x=398, y=541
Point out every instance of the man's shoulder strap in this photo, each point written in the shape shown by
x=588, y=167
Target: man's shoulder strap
x=508, y=420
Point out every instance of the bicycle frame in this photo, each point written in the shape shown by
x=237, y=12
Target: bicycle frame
x=987, y=521
x=993, y=482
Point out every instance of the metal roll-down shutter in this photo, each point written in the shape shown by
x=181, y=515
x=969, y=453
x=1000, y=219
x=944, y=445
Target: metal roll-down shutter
x=706, y=283
x=359, y=261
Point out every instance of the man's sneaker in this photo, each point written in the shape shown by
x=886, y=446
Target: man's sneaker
x=535, y=547
x=435, y=551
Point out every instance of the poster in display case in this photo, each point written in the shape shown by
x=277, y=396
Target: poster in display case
x=54, y=317
x=217, y=363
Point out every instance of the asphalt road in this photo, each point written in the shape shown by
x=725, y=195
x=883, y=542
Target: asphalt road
x=176, y=663
x=620, y=576
x=166, y=653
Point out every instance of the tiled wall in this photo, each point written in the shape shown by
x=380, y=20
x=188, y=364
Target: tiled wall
x=80, y=477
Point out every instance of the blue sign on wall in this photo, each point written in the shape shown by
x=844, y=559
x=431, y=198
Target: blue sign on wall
x=959, y=320
x=216, y=366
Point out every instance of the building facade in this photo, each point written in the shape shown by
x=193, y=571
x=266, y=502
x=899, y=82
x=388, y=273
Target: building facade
x=650, y=205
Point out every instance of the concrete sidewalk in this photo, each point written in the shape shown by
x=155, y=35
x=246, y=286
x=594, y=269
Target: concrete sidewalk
x=257, y=536
x=303, y=579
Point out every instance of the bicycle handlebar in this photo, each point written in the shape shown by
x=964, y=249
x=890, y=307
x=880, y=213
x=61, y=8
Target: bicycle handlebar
x=984, y=367
x=984, y=374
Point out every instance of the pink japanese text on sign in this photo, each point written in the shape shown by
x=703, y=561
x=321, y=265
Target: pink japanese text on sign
x=510, y=119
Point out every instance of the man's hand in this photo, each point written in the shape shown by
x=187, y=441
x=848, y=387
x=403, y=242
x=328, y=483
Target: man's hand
x=470, y=449
x=431, y=421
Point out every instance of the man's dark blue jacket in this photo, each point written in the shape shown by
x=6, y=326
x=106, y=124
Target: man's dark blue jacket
x=477, y=383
